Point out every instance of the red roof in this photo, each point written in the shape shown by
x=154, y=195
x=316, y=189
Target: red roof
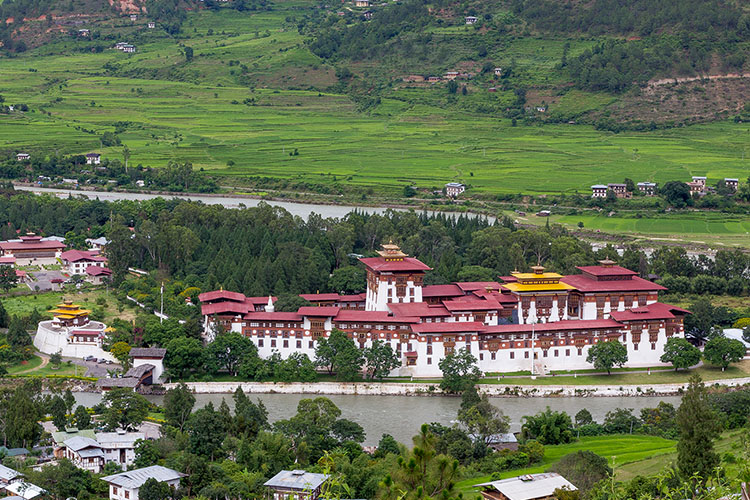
x=318, y=312
x=383, y=265
x=450, y=327
x=259, y=300
x=320, y=297
x=98, y=271
x=372, y=316
x=20, y=274
x=607, y=270
x=554, y=326
x=31, y=244
x=502, y=298
x=79, y=255
x=441, y=291
x=224, y=308
x=634, y=284
x=470, y=286
x=418, y=309
x=471, y=304
x=508, y=279
x=90, y=333
x=359, y=297
x=273, y=316
x=656, y=310
x=7, y=259
x=221, y=294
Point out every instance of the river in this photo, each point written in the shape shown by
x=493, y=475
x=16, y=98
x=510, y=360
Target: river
x=299, y=209
x=401, y=416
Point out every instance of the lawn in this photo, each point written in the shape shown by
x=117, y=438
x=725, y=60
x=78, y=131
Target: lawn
x=30, y=365
x=617, y=449
x=23, y=305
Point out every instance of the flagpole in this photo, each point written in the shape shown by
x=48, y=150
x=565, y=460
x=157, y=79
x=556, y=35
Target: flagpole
x=161, y=311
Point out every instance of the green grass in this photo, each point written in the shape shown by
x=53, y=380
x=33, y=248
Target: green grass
x=620, y=449
x=30, y=365
x=23, y=305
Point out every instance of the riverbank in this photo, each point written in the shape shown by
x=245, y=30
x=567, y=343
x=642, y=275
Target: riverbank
x=426, y=389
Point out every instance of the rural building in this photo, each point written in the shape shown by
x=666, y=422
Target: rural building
x=732, y=184
x=697, y=185
x=647, y=188
x=120, y=45
x=77, y=261
x=470, y=20
x=598, y=191
x=22, y=156
x=93, y=159
x=361, y=3
x=543, y=213
x=451, y=75
x=119, y=447
x=133, y=17
x=32, y=250
x=72, y=332
x=84, y=33
x=368, y=15
x=453, y=189
x=85, y=453
x=97, y=243
x=526, y=487
x=536, y=320
x=499, y=442
x=98, y=275
x=125, y=485
x=433, y=79
x=498, y=71
x=541, y=109
x=151, y=25
x=413, y=78
x=128, y=49
x=492, y=89
x=296, y=484
x=620, y=190
x=59, y=438
x=152, y=356
x=8, y=475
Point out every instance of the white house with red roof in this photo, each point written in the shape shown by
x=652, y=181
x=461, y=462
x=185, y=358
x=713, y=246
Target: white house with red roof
x=77, y=261
x=537, y=321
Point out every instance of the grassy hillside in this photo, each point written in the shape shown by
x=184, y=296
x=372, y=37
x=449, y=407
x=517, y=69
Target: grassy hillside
x=254, y=93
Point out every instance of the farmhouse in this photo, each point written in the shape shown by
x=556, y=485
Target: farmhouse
x=538, y=320
x=433, y=79
x=93, y=159
x=697, y=185
x=97, y=243
x=361, y=3
x=296, y=484
x=620, y=190
x=128, y=49
x=451, y=75
x=98, y=275
x=125, y=485
x=151, y=25
x=453, y=189
x=526, y=487
x=85, y=453
x=647, y=188
x=133, y=17
x=470, y=20
x=598, y=191
x=84, y=33
x=368, y=15
x=414, y=78
x=732, y=184
x=22, y=156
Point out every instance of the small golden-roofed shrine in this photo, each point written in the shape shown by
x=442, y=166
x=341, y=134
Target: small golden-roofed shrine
x=392, y=252
x=69, y=314
x=537, y=281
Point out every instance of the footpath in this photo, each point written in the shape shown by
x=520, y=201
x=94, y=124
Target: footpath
x=428, y=389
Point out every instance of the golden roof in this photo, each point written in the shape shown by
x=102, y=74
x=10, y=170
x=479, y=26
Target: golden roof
x=392, y=252
x=537, y=281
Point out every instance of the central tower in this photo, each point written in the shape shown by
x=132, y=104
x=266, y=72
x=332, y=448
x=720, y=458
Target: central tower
x=393, y=278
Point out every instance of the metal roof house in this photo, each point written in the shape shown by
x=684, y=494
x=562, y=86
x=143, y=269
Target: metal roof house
x=526, y=487
x=125, y=485
x=296, y=484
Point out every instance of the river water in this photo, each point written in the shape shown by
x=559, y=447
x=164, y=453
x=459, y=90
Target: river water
x=299, y=209
x=401, y=416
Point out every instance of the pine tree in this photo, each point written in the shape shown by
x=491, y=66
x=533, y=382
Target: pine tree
x=697, y=423
x=3, y=317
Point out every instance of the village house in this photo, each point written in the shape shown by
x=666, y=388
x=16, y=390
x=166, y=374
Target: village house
x=84, y=33
x=498, y=71
x=732, y=184
x=451, y=75
x=129, y=49
x=151, y=25
x=296, y=485
x=697, y=185
x=23, y=156
x=361, y=3
x=77, y=261
x=413, y=78
x=98, y=275
x=120, y=45
x=497, y=442
x=454, y=189
x=647, y=188
x=119, y=447
x=85, y=453
x=368, y=15
x=598, y=191
x=526, y=487
x=433, y=79
x=125, y=485
x=543, y=213
x=97, y=243
x=8, y=475
x=620, y=190
x=133, y=17
x=470, y=20
x=93, y=159
x=59, y=437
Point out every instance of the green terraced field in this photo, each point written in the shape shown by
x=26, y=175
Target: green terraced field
x=195, y=111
